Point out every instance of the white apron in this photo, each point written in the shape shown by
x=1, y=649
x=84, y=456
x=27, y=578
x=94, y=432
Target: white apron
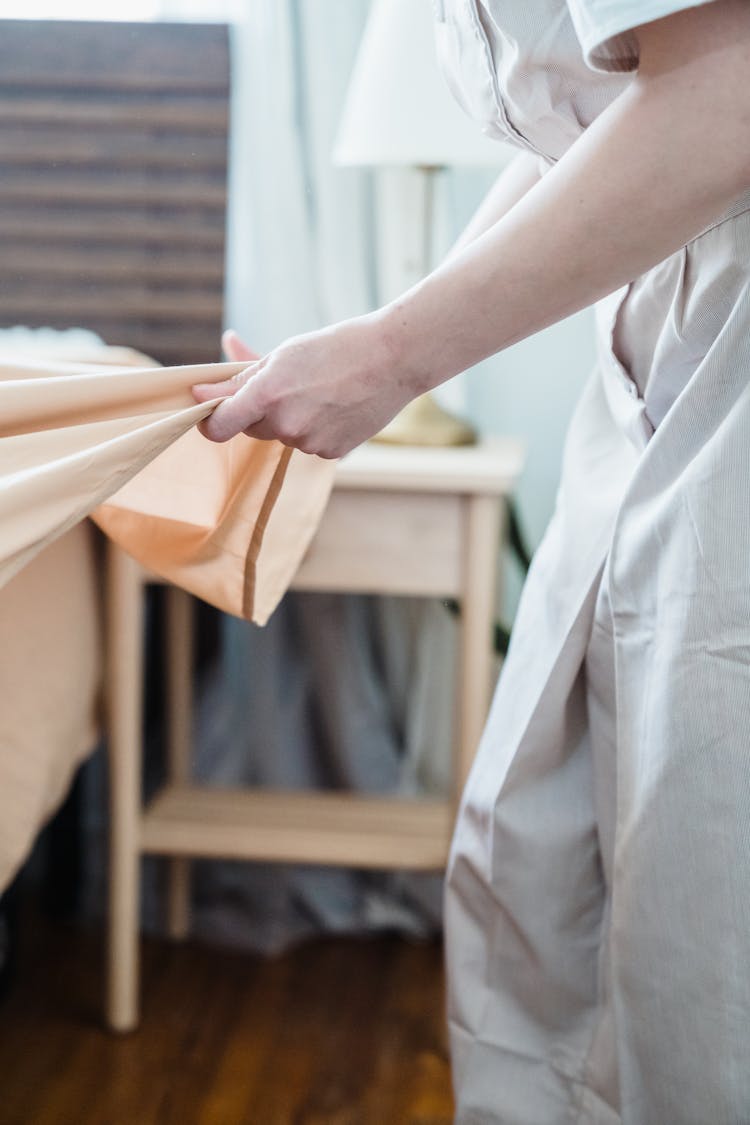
x=598, y=898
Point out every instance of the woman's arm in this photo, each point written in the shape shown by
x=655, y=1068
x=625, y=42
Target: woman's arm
x=509, y=187
x=662, y=162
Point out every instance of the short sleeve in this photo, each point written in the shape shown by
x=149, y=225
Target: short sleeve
x=605, y=28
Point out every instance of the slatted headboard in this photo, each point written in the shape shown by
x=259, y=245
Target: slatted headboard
x=113, y=165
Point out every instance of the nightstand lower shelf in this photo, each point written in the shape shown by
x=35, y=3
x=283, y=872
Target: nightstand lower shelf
x=327, y=828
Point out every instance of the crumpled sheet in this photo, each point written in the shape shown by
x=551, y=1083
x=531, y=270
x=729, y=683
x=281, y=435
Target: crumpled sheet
x=228, y=522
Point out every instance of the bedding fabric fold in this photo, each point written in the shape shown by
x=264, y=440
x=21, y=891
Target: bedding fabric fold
x=230, y=522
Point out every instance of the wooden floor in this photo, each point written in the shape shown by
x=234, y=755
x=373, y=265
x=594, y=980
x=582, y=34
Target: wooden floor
x=338, y=1032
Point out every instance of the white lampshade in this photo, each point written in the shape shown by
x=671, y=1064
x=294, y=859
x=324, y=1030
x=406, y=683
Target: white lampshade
x=399, y=110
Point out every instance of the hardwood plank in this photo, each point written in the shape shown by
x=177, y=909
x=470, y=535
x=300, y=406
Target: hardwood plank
x=331, y=1093
x=418, y=1096
x=249, y=1059
x=336, y=1032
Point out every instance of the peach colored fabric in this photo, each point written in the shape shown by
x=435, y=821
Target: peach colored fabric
x=199, y=514
x=50, y=673
x=228, y=522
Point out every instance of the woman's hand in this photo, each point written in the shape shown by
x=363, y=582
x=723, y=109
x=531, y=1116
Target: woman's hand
x=323, y=392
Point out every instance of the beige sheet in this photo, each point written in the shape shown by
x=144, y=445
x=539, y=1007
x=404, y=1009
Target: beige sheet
x=50, y=675
x=229, y=522
x=199, y=514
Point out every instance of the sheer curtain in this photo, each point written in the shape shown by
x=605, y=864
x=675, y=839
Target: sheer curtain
x=337, y=691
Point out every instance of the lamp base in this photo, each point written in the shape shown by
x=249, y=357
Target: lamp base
x=424, y=422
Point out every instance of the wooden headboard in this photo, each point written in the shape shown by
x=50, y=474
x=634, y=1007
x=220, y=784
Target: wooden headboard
x=113, y=168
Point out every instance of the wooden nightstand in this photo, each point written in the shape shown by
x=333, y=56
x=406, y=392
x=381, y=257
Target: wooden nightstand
x=425, y=522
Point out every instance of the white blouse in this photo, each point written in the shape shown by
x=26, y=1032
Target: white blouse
x=538, y=72
x=605, y=27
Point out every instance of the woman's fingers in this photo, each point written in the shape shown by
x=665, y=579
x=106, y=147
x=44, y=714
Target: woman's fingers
x=235, y=349
x=238, y=412
x=204, y=392
x=235, y=414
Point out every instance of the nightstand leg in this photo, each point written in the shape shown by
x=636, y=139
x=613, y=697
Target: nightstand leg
x=125, y=706
x=477, y=616
x=179, y=661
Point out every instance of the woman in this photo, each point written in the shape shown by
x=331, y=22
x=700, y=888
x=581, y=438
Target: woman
x=598, y=901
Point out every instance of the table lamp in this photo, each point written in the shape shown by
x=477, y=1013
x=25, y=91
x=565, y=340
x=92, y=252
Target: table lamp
x=399, y=113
